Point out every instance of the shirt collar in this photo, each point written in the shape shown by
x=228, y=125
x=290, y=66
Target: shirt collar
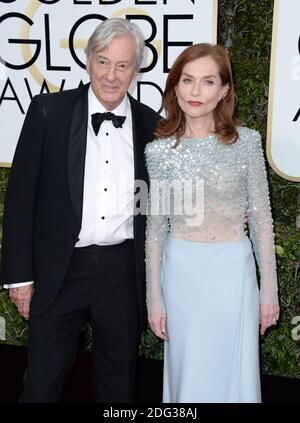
x=95, y=105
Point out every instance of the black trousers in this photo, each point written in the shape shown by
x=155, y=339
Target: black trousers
x=100, y=285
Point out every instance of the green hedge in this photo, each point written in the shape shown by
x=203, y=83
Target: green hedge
x=245, y=28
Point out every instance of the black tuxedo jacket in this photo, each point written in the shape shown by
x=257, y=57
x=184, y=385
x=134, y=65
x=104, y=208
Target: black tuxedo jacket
x=43, y=206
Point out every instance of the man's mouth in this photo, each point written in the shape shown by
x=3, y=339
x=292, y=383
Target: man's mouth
x=110, y=87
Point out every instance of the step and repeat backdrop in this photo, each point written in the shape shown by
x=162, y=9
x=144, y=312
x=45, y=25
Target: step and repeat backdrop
x=42, y=48
x=283, y=137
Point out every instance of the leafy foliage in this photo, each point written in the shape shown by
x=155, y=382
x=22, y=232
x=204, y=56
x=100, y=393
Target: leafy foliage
x=245, y=29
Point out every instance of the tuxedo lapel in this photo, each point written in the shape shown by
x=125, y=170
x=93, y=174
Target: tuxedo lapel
x=77, y=149
x=138, y=134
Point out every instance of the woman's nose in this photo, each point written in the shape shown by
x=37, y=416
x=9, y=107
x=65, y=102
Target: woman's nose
x=196, y=89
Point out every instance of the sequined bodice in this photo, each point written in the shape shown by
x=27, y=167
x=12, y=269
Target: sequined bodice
x=213, y=184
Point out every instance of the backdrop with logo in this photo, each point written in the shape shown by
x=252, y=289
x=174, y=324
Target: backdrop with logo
x=42, y=48
x=283, y=139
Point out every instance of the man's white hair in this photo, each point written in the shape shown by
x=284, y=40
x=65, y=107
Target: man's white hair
x=117, y=27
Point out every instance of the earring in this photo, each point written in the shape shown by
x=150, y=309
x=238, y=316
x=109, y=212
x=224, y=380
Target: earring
x=225, y=93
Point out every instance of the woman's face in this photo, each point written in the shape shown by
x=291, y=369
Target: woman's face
x=199, y=89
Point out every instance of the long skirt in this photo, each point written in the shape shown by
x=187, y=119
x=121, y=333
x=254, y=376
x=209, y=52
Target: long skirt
x=212, y=303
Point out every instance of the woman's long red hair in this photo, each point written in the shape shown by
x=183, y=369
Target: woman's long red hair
x=174, y=124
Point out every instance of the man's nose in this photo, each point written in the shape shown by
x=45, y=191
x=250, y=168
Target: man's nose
x=111, y=73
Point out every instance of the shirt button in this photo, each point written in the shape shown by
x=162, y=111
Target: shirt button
x=105, y=189
x=106, y=161
x=102, y=217
x=107, y=134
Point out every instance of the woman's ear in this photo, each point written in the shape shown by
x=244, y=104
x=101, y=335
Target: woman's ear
x=224, y=92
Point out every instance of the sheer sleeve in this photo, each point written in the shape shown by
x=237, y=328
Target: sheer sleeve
x=156, y=229
x=260, y=221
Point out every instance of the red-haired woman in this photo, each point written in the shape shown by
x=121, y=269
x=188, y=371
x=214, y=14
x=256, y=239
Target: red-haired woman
x=202, y=294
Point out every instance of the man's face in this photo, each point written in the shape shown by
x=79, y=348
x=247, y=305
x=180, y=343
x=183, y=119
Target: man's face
x=112, y=71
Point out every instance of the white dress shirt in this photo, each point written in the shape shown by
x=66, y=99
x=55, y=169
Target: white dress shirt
x=108, y=194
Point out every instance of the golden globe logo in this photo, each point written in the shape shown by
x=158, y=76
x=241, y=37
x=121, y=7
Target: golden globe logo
x=42, y=47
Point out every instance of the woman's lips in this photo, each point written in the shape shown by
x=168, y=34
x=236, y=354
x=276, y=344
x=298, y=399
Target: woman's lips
x=195, y=103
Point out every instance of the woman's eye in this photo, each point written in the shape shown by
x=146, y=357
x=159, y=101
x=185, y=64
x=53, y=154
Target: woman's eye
x=187, y=81
x=208, y=82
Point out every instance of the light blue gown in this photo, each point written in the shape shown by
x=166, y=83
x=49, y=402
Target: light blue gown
x=202, y=273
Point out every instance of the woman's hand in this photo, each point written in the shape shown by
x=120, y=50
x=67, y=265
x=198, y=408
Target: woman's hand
x=157, y=323
x=269, y=314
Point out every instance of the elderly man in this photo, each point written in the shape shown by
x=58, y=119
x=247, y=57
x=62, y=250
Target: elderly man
x=73, y=248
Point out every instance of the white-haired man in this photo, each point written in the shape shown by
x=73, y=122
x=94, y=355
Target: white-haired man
x=73, y=248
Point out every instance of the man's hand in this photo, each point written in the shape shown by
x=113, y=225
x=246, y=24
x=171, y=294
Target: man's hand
x=269, y=314
x=21, y=298
x=157, y=323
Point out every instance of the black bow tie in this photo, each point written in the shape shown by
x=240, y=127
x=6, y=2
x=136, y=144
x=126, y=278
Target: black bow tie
x=98, y=118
